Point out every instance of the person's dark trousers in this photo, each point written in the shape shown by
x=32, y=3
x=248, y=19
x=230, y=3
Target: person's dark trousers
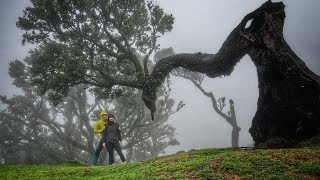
x=97, y=153
x=111, y=146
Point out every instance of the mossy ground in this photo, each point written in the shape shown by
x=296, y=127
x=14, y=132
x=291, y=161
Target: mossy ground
x=229, y=163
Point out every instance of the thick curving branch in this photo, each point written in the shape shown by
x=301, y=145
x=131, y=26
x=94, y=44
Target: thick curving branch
x=222, y=63
x=213, y=65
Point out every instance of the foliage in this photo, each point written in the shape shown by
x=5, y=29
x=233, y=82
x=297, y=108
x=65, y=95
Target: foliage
x=227, y=163
x=97, y=43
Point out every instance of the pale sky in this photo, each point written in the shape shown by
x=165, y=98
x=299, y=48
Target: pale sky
x=200, y=26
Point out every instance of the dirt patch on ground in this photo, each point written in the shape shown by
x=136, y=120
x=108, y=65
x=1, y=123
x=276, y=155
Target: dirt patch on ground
x=214, y=164
x=290, y=157
x=191, y=176
x=230, y=175
x=304, y=176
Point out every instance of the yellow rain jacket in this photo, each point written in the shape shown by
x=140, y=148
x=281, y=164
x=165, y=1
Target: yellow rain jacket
x=100, y=123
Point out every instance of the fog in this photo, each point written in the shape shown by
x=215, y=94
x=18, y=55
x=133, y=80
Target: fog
x=200, y=26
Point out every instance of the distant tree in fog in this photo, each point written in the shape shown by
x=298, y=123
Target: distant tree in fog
x=44, y=133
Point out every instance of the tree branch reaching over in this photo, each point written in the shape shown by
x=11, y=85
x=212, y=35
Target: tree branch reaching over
x=213, y=65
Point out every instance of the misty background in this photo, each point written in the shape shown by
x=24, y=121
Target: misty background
x=200, y=26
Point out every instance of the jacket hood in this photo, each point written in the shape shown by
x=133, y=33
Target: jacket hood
x=102, y=113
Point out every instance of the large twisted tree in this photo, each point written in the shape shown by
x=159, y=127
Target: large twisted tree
x=80, y=39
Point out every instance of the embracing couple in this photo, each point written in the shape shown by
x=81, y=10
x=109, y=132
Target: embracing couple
x=110, y=137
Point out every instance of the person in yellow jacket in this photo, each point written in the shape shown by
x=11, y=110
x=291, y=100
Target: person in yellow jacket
x=99, y=129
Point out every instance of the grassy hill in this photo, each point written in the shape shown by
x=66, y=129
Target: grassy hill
x=229, y=163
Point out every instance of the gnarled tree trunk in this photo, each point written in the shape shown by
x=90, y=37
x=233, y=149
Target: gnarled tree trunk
x=289, y=102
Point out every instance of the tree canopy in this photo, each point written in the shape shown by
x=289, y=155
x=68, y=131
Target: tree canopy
x=98, y=43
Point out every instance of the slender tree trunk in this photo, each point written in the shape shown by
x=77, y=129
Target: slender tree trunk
x=29, y=158
x=231, y=119
x=235, y=128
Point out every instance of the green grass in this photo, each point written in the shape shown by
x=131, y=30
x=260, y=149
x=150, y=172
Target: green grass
x=228, y=163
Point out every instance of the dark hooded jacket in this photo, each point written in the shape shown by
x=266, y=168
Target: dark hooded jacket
x=111, y=133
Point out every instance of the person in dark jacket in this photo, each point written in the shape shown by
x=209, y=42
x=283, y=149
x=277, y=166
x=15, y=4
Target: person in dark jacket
x=111, y=139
